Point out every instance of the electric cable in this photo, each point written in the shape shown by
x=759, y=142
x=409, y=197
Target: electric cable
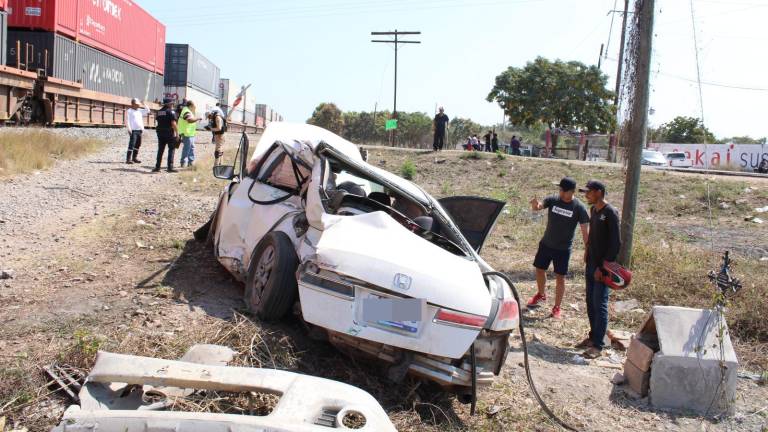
x=526, y=363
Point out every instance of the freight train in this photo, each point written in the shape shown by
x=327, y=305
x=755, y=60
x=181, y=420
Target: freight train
x=79, y=62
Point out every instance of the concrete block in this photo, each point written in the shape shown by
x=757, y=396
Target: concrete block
x=637, y=379
x=640, y=355
x=692, y=371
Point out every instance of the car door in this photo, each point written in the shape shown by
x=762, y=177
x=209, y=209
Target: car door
x=474, y=216
x=263, y=198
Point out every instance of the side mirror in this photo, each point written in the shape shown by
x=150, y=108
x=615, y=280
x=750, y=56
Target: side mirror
x=224, y=172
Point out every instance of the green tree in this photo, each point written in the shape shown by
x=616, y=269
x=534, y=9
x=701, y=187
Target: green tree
x=684, y=130
x=460, y=128
x=328, y=116
x=745, y=139
x=414, y=129
x=568, y=95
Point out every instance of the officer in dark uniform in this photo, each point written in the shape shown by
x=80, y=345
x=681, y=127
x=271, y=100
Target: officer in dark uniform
x=167, y=134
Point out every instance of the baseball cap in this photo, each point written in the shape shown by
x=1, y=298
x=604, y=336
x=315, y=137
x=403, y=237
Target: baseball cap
x=567, y=184
x=593, y=185
x=166, y=101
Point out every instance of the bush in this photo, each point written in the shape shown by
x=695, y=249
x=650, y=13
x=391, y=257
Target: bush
x=500, y=156
x=408, y=170
x=472, y=155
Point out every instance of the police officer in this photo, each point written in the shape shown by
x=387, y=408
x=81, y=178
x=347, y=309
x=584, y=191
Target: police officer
x=167, y=134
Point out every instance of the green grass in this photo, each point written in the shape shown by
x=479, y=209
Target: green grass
x=27, y=150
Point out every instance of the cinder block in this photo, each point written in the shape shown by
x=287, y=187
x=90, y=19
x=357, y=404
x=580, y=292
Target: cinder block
x=637, y=379
x=640, y=355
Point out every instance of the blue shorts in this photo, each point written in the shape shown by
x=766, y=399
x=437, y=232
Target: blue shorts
x=559, y=258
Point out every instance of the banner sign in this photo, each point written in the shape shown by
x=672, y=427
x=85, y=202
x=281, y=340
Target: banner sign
x=745, y=157
x=391, y=124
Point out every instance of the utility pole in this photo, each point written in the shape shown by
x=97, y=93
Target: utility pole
x=396, y=42
x=617, y=131
x=621, y=52
x=637, y=129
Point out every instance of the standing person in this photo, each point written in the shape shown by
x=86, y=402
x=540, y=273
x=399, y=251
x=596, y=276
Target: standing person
x=167, y=134
x=602, y=246
x=487, y=138
x=218, y=126
x=134, y=121
x=439, y=125
x=565, y=213
x=495, y=143
x=187, y=132
x=515, y=144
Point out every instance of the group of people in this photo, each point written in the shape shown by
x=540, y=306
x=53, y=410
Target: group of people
x=600, y=232
x=176, y=126
x=491, y=142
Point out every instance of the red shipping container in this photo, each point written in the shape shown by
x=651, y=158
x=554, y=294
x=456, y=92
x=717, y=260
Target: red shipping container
x=118, y=27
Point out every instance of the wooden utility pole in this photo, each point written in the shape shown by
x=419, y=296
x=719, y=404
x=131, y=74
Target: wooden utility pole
x=637, y=129
x=396, y=42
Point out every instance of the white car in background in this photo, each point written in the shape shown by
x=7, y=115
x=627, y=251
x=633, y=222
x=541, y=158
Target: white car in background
x=678, y=160
x=364, y=257
x=653, y=158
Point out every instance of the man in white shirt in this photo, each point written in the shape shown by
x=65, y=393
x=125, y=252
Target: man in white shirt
x=134, y=121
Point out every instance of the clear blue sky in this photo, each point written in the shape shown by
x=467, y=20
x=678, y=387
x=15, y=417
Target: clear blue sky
x=298, y=53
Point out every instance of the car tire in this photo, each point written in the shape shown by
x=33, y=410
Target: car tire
x=271, y=288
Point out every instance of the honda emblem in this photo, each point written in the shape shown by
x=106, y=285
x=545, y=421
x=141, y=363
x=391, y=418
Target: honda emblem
x=402, y=282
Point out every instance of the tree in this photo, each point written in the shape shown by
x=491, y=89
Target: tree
x=685, y=130
x=461, y=128
x=568, y=95
x=745, y=139
x=328, y=116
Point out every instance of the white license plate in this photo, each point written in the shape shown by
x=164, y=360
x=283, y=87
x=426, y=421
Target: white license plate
x=402, y=315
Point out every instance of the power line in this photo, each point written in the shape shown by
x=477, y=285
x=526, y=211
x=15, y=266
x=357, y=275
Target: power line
x=706, y=83
x=698, y=67
x=333, y=10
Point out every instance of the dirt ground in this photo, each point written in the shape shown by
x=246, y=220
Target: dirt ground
x=102, y=257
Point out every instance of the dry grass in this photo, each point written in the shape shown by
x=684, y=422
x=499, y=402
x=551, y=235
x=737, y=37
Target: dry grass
x=36, y=149
x=676, y=242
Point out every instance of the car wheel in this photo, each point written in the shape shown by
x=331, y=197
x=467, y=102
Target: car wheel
x=270, y=288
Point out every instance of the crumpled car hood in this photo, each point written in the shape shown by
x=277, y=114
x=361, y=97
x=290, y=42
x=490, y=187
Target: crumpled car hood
x=374, y=248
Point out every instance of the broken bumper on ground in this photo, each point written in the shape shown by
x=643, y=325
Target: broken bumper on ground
x=306, y=403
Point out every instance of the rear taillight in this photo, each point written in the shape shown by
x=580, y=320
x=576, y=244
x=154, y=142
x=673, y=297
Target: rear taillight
x=508, y=315
x=461, y=319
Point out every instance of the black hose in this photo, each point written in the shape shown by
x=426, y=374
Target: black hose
x=528, y=376
x=473, y=402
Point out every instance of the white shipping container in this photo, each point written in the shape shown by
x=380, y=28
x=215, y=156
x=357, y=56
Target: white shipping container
x=228, y=91
x=203, y=101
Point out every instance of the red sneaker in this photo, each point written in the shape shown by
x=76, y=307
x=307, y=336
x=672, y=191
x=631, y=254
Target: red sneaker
x=535, y=300
x=556, y=314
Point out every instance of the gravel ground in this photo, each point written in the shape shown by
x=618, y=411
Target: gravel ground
x=36, y=206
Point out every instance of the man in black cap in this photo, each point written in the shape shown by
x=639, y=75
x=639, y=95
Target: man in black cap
x=565, y=213
x=602, y=246
x=167, y=134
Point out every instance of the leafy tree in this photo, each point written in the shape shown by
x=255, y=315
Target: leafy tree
x=568, y=95
x=746, y=139
x=460, y=128
x=328, y=116
x=684, y=130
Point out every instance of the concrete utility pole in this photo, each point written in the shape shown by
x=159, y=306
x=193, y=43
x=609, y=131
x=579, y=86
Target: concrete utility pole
x=396, y=42
x=621, y=52
x=638, y=125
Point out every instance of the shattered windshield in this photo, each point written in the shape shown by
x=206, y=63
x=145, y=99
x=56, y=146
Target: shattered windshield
x=351, y=192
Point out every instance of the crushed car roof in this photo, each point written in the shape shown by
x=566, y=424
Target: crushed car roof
x=306, y=133
x=314, y=135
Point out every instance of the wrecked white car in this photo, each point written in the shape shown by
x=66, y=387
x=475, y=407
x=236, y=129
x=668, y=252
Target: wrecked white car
x=367, y=258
